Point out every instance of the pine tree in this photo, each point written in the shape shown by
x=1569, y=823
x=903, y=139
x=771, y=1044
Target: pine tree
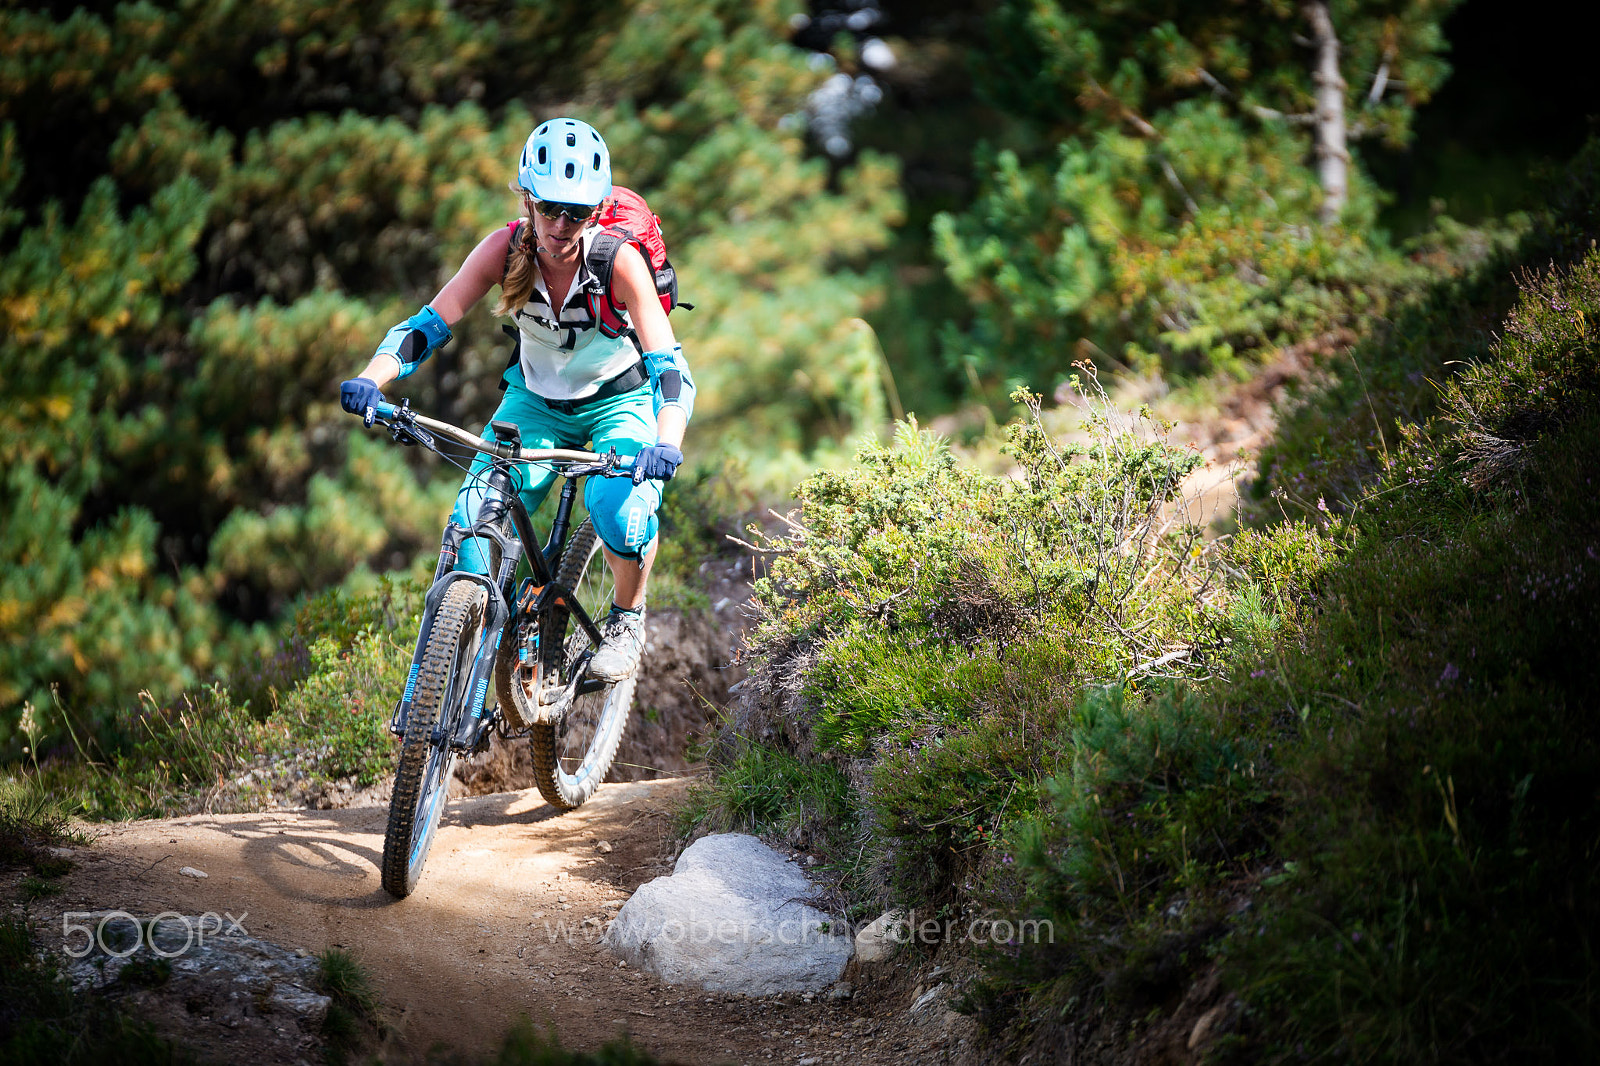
x=210, y=214
x=1200, y=204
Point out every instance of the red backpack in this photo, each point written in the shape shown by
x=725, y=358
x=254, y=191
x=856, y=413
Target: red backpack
x=626, y=218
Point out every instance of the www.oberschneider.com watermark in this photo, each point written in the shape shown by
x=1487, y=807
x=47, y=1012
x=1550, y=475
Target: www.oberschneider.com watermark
x=120, y=934
x=900, y=929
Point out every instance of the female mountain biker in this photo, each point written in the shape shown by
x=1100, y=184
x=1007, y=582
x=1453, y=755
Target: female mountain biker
x=571, y=383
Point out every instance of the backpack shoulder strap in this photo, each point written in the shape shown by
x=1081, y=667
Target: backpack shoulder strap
x=511, y=244
x=601, y=262
x=602, y=257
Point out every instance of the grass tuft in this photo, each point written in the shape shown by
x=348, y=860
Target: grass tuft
x=352, y=1019
x=527, y=1045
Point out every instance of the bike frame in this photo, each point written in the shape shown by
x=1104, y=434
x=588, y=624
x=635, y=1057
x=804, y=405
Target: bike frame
x=505, y=554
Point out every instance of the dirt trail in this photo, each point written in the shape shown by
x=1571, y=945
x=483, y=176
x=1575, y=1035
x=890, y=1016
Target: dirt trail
x=495, y=928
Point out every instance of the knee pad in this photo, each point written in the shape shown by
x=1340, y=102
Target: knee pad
x=624, y=514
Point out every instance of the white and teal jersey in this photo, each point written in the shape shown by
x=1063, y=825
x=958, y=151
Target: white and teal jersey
x=564, y=355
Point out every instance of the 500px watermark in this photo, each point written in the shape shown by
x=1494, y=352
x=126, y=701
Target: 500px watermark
x=120, y=934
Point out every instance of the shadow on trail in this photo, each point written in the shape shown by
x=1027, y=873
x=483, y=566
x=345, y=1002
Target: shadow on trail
x=332, y=858
x=493, y=811
x=317, y=869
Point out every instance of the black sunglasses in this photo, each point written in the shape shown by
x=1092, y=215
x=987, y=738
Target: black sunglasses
x=553, y=210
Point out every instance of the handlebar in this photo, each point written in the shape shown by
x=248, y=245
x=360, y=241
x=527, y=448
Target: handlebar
x=404, y=418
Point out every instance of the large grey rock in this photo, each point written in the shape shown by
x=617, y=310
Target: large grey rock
x=731, y=918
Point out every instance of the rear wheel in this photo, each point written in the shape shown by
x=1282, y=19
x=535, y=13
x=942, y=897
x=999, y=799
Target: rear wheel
x=571, y=757
x=426, y=759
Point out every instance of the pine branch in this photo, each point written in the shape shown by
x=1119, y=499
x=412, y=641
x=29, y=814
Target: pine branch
x=1268, y=113
x=1122, y=110
x=1146, y=130
x=1380, y=80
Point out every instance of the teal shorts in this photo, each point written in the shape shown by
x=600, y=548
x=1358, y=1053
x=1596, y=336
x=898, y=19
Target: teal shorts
x=624, y=514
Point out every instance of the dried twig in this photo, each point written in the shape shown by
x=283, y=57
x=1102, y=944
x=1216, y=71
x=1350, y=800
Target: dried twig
x=1174, y=656
x=751, y=547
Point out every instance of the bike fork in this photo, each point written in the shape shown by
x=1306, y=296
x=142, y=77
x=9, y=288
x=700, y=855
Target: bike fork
x=475, y=717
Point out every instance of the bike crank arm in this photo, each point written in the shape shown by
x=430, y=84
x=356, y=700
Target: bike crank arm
x=552, y=703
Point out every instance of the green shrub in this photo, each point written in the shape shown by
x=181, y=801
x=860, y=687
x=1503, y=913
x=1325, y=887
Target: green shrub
x=762, y=790
x=924, y=629
x=947, y=795
x=1338, y=438
x=44, y=1023
x=216, y=752
x=911, y=544
x=865, y=688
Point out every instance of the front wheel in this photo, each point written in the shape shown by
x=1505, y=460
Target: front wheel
x=571, y=757
x=426, y=758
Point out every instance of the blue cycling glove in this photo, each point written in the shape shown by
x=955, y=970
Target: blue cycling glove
x=358, y=394
x=659, y=462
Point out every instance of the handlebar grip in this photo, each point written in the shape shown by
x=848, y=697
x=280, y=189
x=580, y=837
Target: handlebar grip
x=381, y=409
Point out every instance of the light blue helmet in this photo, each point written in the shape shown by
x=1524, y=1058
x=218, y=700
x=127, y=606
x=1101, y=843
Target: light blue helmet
x=565, y=160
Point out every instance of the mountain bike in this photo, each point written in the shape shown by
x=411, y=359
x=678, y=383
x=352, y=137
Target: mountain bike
x=531, y=640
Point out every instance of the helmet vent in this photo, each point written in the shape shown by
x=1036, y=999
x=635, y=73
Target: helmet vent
x=572, y=140
x=597, y=161
x=543, y=155
x=543, y=130
x=571, y=170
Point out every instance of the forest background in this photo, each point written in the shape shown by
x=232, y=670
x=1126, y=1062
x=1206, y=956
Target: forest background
x=208, y=213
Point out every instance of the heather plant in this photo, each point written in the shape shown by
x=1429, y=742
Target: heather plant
x=1377, y=832
x=1337, y=438
x=924, y=628
x=1542, y=374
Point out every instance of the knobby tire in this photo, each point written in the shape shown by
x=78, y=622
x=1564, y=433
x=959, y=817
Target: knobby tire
x=420, y=783
x=607, y=710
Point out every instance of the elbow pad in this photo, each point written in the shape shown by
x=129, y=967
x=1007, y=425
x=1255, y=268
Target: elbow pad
x=411, y=342
x=670, y=382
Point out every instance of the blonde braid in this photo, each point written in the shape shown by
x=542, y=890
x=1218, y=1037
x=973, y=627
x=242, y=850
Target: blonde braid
x=517, y=285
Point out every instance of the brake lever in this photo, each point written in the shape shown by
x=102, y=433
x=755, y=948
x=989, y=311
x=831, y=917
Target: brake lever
x=411, y=434
x=403, y=427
